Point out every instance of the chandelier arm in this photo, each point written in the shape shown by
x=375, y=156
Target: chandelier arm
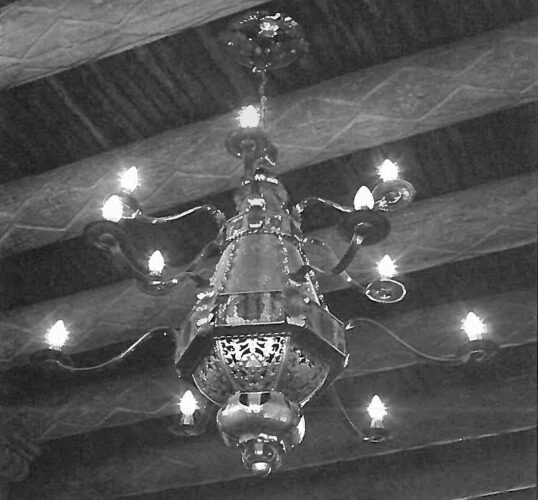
x=303, y=205
x=453, y=361
x=219, y=217
x=153, y=285
x=337, y=401
x=344, y=262
x=354, y=283
x=64, y=366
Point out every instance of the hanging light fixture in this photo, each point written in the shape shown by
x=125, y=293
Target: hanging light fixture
x=260, y=342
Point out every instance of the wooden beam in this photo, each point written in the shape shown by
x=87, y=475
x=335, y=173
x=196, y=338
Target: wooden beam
x=518, y=493
x=358, y=110
x=462, y=225
x=43, y=37
x=138, y=460
x=489, y=468
x=56, y=408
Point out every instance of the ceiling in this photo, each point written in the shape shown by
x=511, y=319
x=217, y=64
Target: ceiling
x=447, y=89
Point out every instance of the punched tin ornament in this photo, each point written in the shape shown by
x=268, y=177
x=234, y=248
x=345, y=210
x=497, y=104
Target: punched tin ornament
x=261, y=41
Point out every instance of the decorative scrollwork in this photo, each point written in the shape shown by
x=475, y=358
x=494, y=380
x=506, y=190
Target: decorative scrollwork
x=261, y=41
x=211, y=379
x=253, y=362
x=130, y=255
x=302, y=375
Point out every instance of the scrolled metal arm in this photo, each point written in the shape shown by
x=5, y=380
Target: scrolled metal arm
x=56, y=360
x=343, y=263
x=354, y=244
x=152, y=285
x=371, y=225
x=132, y=210
x=451, y=361
x=303, y=205
x=112, y=237
x=219, y=217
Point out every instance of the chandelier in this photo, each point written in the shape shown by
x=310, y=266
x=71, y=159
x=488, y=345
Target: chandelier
x=260, y=342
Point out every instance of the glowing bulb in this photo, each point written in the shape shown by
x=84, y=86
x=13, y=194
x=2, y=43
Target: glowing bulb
x=156, y=263
x=113, y=209
x=249, y=117
x=363, y=199
x=376, y=409
x=386, y=267
x=57, y=335
x=129, y=179
x=188, y=405
x=388, y=171
x=473, y=326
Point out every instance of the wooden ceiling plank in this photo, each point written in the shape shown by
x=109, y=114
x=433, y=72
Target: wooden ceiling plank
x=154, y=462
x=43, y=37
x=369, y=107
x=518, y=493
x=485, y=219
x=496, y=469
x=54, y=411
x=477, y=468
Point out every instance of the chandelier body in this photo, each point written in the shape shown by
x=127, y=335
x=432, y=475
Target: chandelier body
x=259, y=341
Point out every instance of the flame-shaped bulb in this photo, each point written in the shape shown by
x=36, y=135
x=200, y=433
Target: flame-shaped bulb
x=473, y=326
x=249, y=117
x=386, y=267
x=113, y=209
x=57, y=335
x=156, y=263
x=388, y=171
x=377, y=410
x=188, y=405
x=363, y=199
x=129, y=179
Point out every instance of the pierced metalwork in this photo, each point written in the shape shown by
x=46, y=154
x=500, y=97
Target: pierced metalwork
x=303, y=375
x=253, y=362
x=211, y=378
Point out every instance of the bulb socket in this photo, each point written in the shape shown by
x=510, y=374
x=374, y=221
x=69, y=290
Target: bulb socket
x=249, y=143
x=375, y=435
x=480, y=351
x=394, y=195
x=371, y=226
x=385, y=291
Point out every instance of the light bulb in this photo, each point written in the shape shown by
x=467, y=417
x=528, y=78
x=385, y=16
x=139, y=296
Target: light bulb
x=386, y=267
x=388, y=171
x=377, y=410
x=473, y=326
x=57, y=335
x=188, y=405
x=113, y=208
x=249, y=117
x=363, y=199
x=156, y=263
x=129, y=179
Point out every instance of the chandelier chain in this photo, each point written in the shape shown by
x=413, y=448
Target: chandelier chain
x=263, y=97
